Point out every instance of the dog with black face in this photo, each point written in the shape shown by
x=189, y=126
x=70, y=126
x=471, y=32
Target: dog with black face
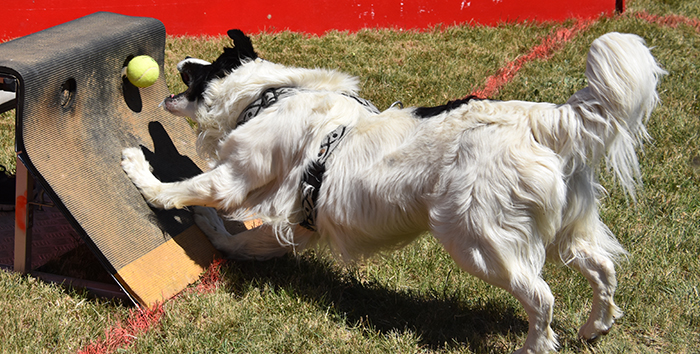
x=503, y=185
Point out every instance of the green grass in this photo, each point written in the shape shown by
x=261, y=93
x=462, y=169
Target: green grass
x=416, y=300
x=42, y=318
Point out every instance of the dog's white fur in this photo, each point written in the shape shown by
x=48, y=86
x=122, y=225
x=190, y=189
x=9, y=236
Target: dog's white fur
x=502, y=185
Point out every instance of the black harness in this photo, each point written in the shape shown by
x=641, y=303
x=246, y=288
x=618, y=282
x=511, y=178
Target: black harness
x=266, y=99
x=313, y=174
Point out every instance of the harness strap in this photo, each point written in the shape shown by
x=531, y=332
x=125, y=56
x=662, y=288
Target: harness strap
x=266, y=99
x=365, y=103
x=313, y=177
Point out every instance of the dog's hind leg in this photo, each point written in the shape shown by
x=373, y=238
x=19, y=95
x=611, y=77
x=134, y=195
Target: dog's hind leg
x=588, y=246
x=516, y=274
x=538, y=301
x=599, y=270
x=259, y=243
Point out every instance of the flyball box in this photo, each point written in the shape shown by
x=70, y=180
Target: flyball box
x=74, y=115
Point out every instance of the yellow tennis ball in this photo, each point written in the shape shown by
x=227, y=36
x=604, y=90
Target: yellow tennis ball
x=142, y=71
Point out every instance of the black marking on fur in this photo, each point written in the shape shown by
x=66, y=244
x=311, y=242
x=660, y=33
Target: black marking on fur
x=427, y=112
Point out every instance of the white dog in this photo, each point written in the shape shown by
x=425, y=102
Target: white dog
x=502, y=185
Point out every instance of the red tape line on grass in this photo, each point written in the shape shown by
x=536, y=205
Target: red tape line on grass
x=120, y=334
x=544, y=50
x=556, y=40
x=672, y=21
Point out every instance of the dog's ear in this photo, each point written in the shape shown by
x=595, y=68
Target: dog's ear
x=232, y=58
x=242, y=43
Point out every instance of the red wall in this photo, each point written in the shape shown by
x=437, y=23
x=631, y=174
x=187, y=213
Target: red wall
x=213, y=17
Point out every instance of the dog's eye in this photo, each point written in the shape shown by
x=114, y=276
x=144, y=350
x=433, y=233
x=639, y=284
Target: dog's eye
x=185, y=78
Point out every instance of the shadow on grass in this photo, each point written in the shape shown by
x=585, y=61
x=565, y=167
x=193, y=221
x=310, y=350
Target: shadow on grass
x=439, y=320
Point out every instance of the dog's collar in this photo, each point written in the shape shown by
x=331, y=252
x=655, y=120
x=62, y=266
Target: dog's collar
x=266, y=99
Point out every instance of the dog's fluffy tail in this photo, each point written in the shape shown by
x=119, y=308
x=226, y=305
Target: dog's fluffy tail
x=622, y=76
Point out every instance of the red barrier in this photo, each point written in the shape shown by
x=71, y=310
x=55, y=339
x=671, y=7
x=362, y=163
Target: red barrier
x=214, y=17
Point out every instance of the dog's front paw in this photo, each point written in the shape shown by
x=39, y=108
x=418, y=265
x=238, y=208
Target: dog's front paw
x=211, y=224
x=139, y=171
x=134, y=162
